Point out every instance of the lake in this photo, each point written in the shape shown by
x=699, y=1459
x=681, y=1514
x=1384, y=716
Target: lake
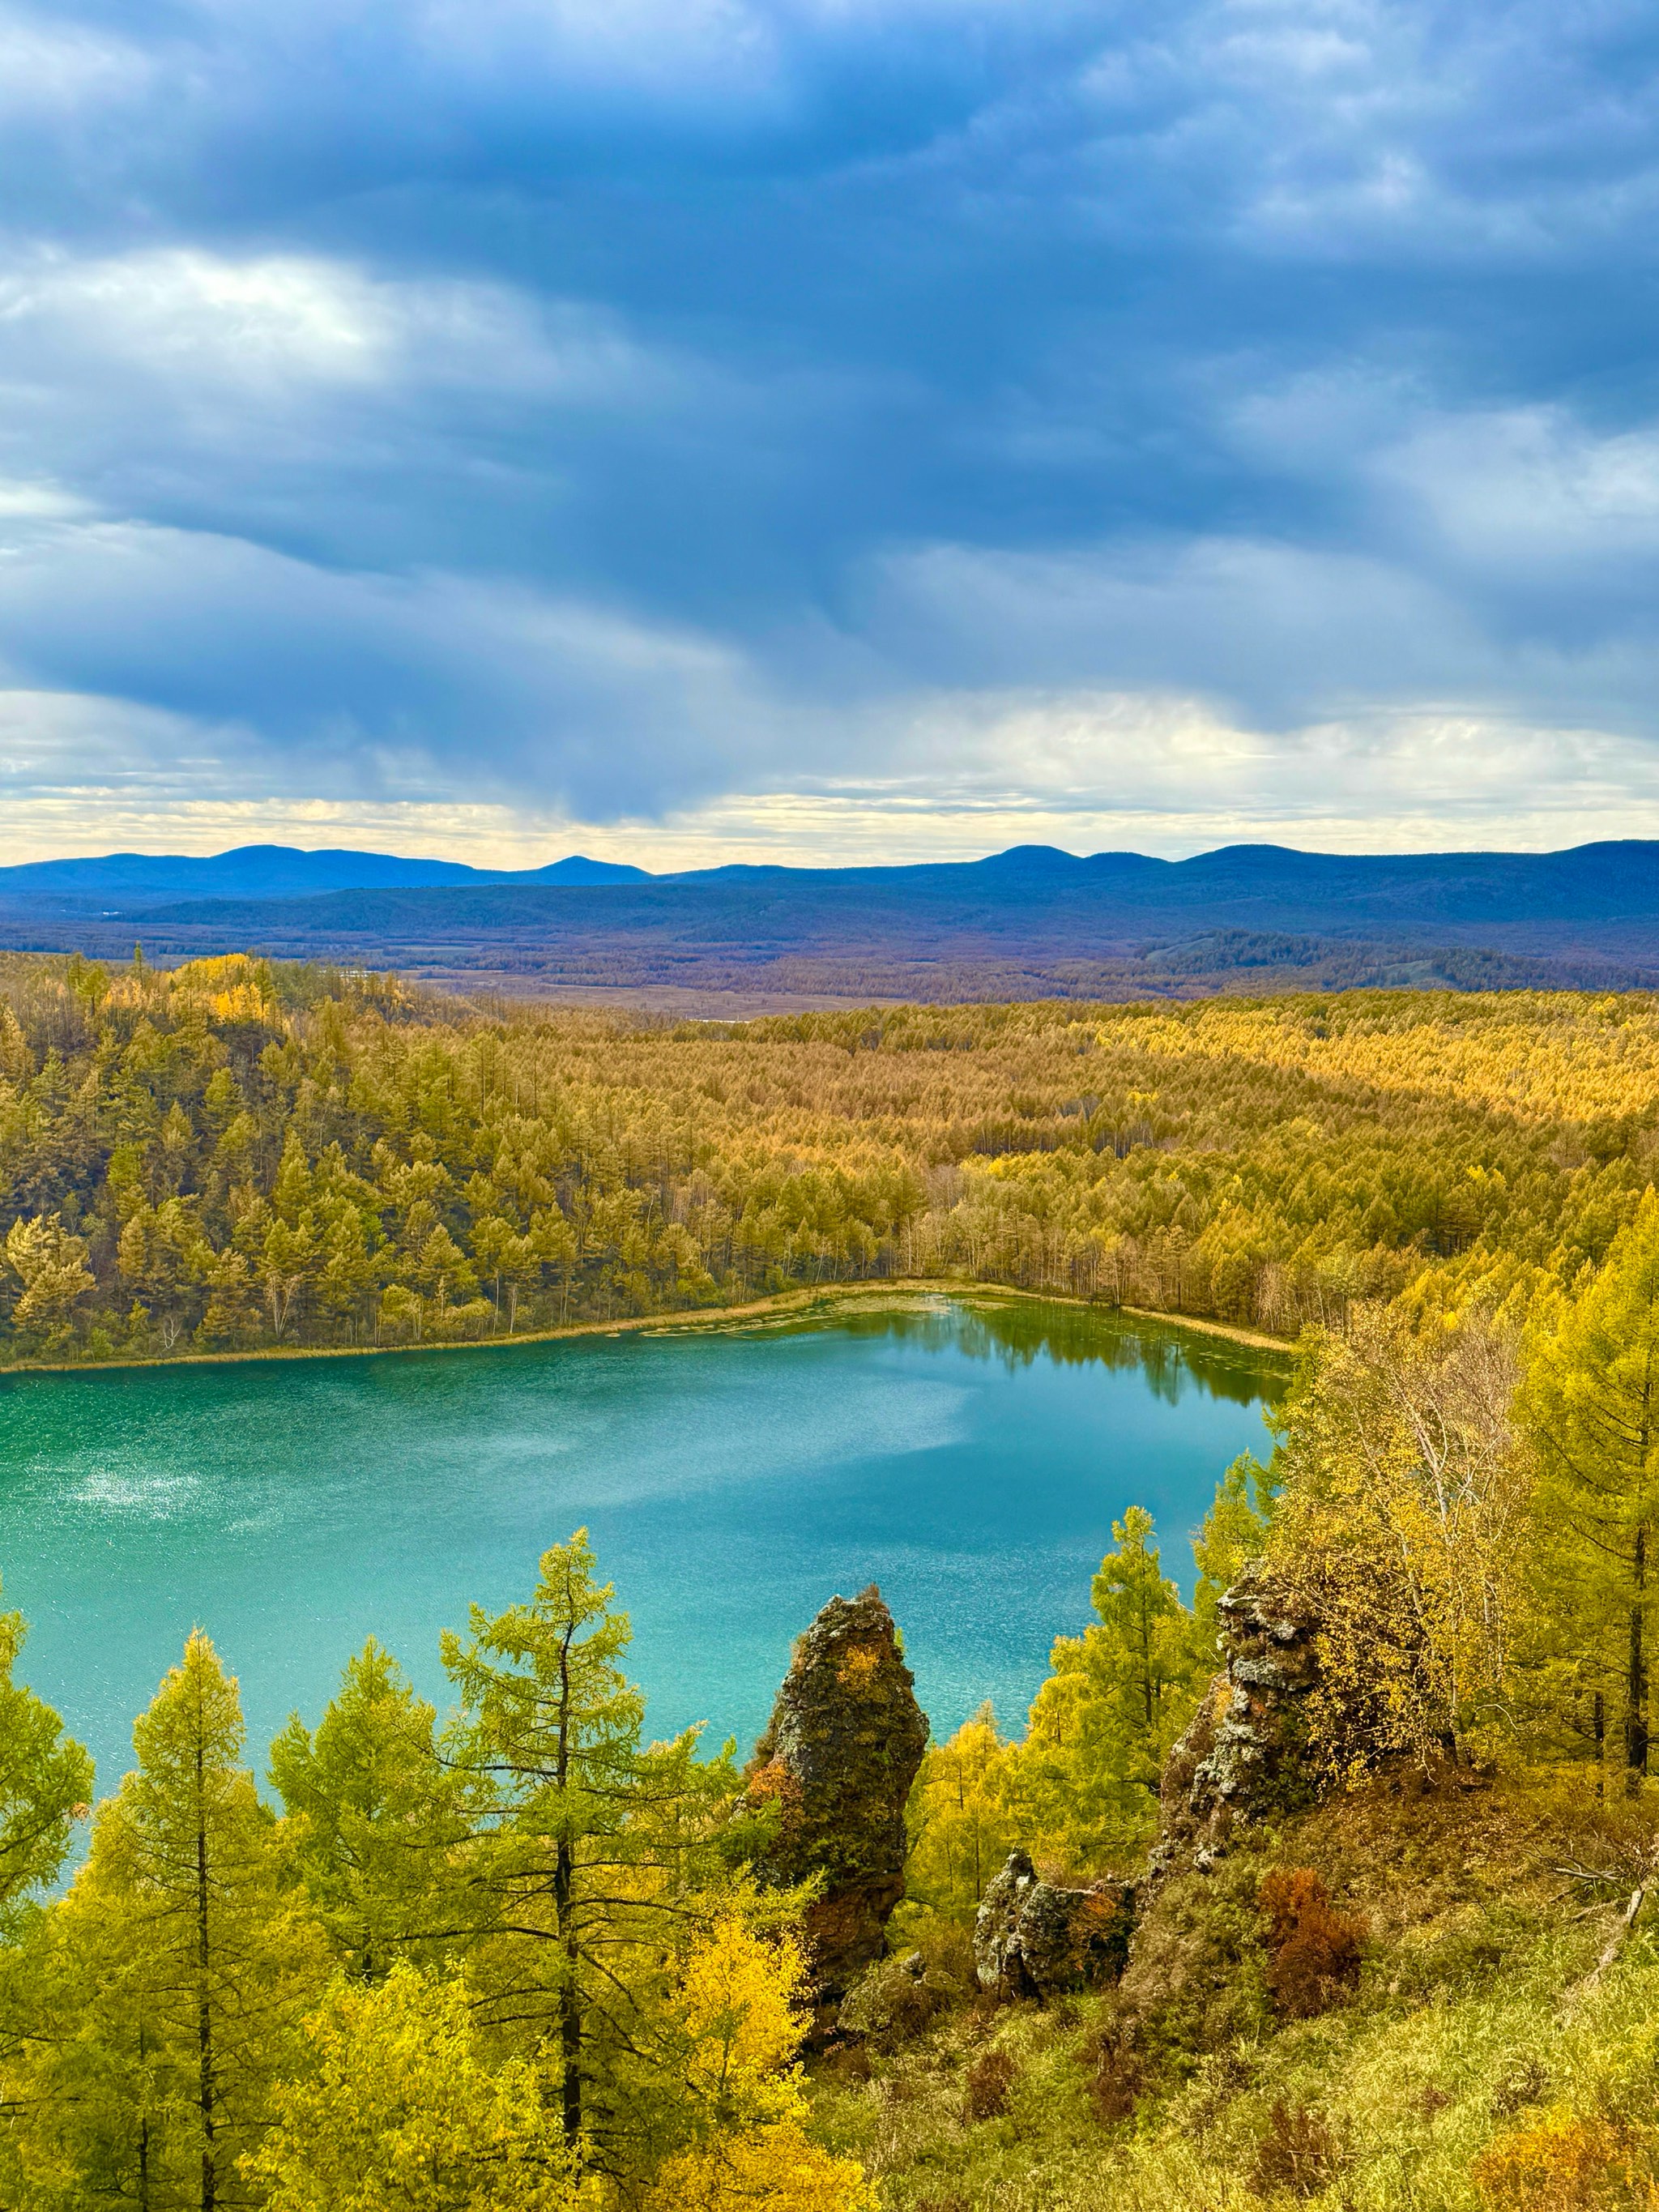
x=967, y=1454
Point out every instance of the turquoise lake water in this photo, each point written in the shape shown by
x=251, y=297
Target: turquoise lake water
x=968, y=1457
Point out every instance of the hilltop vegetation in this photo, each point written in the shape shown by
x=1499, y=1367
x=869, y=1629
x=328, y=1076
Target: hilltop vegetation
x=237, y=1154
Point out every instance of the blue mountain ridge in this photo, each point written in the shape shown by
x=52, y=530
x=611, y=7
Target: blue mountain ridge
x=1032, y=921
x=279, y=871
x=1276, y=885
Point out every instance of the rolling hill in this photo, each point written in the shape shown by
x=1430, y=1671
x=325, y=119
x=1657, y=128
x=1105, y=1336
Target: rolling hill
x=1030, y=922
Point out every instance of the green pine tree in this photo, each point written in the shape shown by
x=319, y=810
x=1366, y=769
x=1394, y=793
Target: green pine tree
x=1103, y=1723
x=45, y=1785
x=171, y=1979
x=1591, y=1403
x=1234, y=1531
x=592, y=1856
x=375, y=1819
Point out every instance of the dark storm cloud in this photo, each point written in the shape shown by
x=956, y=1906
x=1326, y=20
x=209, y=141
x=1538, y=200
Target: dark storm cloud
x=624, y=404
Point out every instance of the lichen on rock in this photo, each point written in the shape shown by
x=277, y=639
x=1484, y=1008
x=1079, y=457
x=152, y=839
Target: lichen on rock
x=1038, y=1939
x=838, y=1757
x=1244, y=1753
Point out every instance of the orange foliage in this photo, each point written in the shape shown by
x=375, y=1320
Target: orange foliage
x=1313, y=1950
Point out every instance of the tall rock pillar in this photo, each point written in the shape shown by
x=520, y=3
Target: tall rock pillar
x=845, y=1740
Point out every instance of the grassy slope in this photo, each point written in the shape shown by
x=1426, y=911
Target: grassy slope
x=1472, y=2026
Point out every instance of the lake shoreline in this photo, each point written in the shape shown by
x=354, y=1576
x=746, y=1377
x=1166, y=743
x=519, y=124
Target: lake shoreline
x=818, y=1298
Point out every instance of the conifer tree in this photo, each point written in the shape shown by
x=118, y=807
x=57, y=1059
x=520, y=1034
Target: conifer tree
x=962, y=1826
x=1103, y=1721
x=1234, y=1531
x=1139, y=1661
x=1592, y=1405
x=374, y=1817
x=50, y=1265
x=174, y=1973
x=590, y=1853
x=45, y=1785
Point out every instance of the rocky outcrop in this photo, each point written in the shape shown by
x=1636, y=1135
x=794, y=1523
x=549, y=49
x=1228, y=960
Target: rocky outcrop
x=1244, y=1753
x=1036, y=1939
x=845, y=1740
x=896, y=1999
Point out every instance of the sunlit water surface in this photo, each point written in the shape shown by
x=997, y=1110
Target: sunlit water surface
x=968, y=1457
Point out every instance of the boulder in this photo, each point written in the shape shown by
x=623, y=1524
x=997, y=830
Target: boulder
x=840, y=1755
x=895, y=1999
x=1037, y=1939
x=1243, y=1755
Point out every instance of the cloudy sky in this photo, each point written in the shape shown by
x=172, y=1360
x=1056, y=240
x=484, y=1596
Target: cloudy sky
x=687, y=429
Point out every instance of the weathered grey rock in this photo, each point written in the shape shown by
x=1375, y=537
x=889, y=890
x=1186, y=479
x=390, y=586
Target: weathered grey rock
x=895, y=2000
x=1035, y=1939
x=1243, y=1755
x=840, y=1755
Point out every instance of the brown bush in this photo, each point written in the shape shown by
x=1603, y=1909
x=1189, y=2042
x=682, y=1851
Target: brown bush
x=990, y=2080
x=1313, y=1950
x=848, y=2063
x=1117, y=2075
x=1523, y=2082
x=1300, y=2152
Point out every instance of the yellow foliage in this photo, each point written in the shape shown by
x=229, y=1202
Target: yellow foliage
x=740, y=2008
x=857, y=1671
x=1563, y=2163
x=962, y=1818
x=1401, y=1524
x=768, y=2169
x=400, y=2110
x=1268, y=1164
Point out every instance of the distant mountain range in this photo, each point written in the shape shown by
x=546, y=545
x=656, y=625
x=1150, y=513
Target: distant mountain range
x=1031, y=921
x=272, y=871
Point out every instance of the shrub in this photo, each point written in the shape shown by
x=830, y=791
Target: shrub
x=893, y=2001
x=1300, y=2152
x=1561, y=2164
x=1118, y=2075
x=847, y=2063
x=1313, y=1950
x=1523, y=2082
x=1197, y=1981
x=990, y=2081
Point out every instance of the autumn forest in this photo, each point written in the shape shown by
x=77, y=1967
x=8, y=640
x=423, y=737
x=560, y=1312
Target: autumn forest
x=234, y=1155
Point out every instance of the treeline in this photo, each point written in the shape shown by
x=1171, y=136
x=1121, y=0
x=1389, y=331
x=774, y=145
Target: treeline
x=238, y=1154
x=515, y=1963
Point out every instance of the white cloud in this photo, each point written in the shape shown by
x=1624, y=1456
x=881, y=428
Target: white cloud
x=963, y=777
x=375, y=685
x=1530, y=491
x=188, y=318
x=59, y=68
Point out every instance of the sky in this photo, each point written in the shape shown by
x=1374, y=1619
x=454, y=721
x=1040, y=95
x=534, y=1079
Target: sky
x=686, y=430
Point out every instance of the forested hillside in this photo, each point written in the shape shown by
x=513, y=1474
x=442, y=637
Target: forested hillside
x=236, y=1154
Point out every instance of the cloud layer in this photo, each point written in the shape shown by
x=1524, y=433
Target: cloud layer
x=828, y=425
